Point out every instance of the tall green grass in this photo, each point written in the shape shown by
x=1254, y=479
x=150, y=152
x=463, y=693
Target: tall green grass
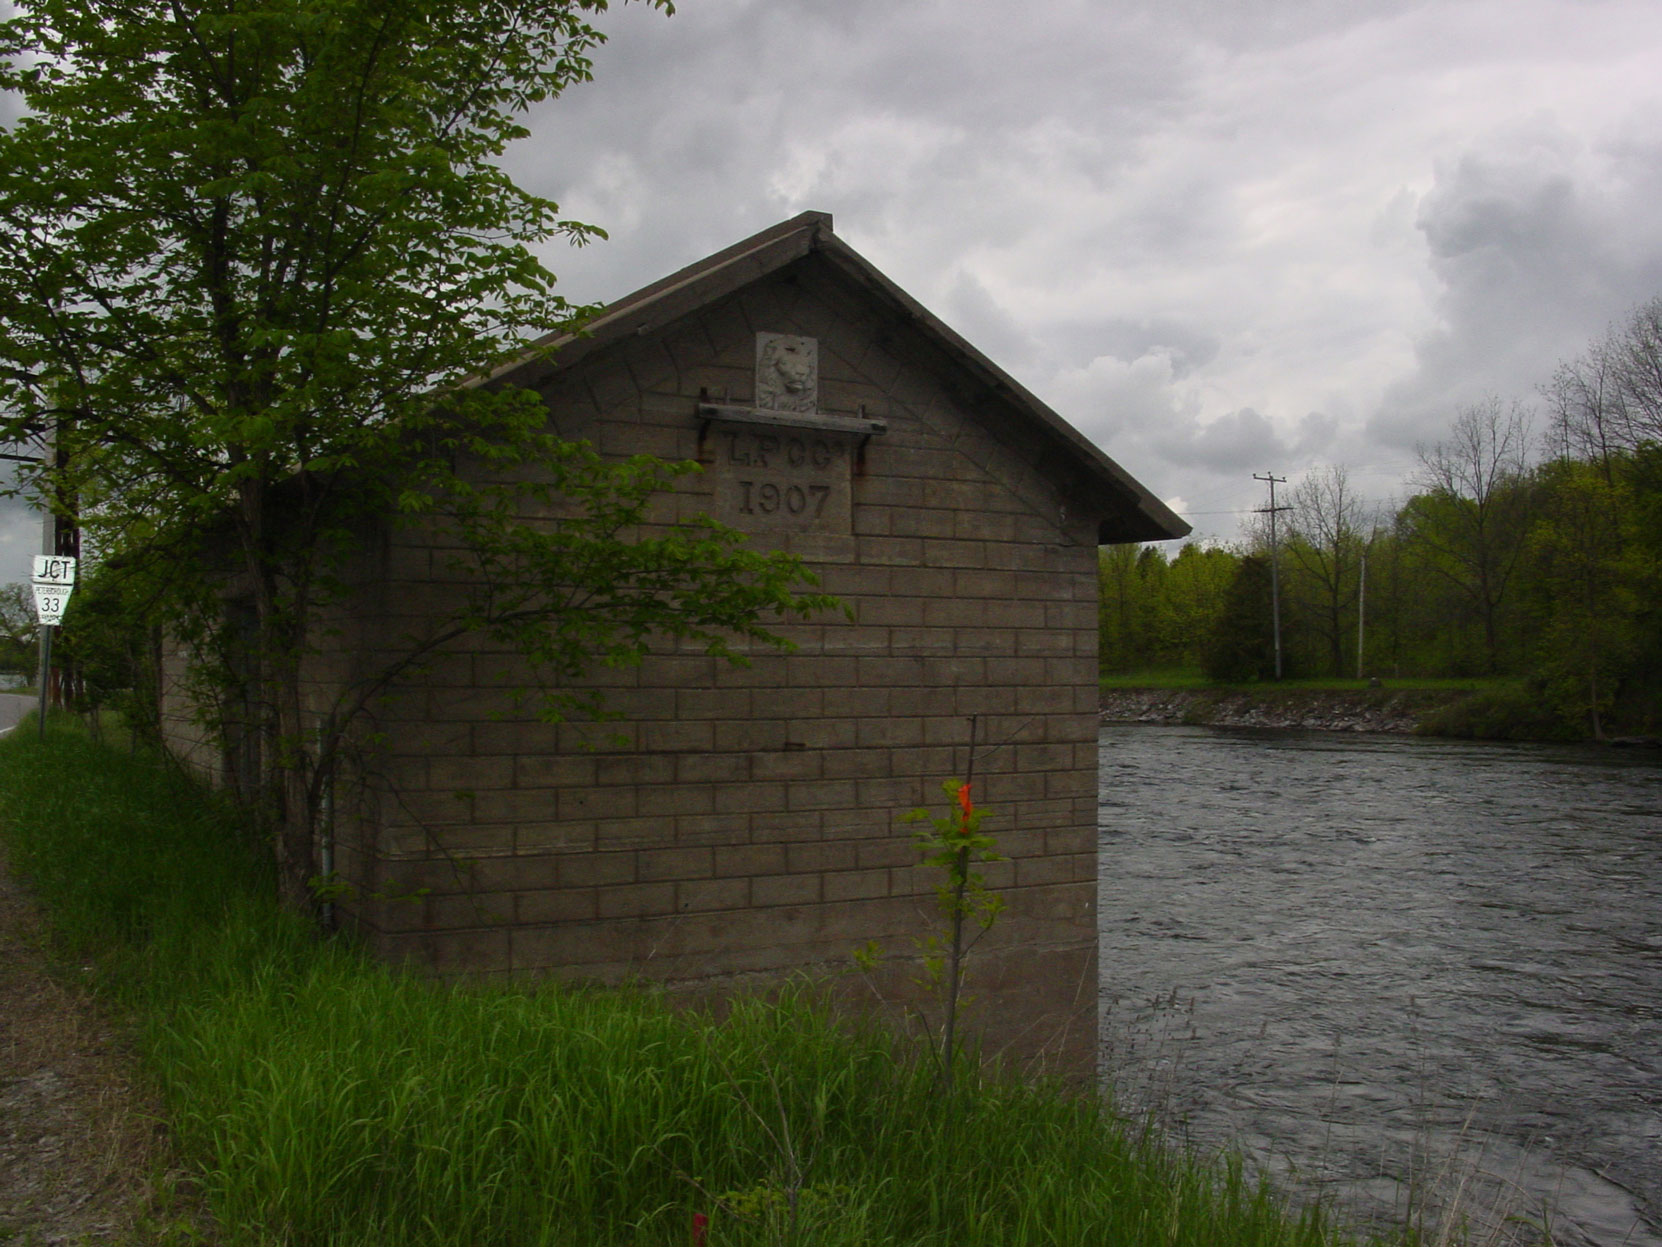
x=324, y=1099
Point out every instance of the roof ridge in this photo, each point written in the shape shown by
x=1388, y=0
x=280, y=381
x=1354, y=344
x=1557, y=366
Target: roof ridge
x=809, y=233
x=763, y=238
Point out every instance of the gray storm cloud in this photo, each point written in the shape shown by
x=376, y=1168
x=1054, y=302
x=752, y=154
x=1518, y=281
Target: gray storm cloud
x=1217, y=237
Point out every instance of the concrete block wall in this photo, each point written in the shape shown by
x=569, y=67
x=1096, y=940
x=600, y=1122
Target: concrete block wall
x=744, y=820
x=181, y=725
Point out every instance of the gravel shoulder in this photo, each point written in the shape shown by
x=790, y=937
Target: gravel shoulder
x=81, y=1150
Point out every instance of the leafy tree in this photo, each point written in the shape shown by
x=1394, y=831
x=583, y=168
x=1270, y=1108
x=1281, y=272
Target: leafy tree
x=1586, y=576
x=1197, y=588
x=1241, y=646
x=1602, y=543
x=1639, y=365
x=1382, y=603
x=108, y=651
x=1639, y=696
x=1116, y=607
x=1609, y=399
x=1324, y=550
x=1156, y=612
x=243, y=246
x=1588, y=404
x=1470, y=523
x=19, y=629
x=1132, y=582
x=1154, y=641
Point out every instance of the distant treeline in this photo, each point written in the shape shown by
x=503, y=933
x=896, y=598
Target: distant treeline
x=1522, y=554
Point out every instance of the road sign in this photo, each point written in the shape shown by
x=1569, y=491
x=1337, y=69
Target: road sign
x=54, y=582
x=50, y=601
x=54, y=569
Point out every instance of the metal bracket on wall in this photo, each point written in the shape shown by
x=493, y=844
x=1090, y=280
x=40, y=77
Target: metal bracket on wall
x=817, y=421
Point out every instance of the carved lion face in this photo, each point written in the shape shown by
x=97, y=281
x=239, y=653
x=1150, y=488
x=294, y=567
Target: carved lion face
x=792, y=364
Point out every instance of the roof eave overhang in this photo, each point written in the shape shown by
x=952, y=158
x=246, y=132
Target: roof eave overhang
x=1146, y=518
x=670, y=298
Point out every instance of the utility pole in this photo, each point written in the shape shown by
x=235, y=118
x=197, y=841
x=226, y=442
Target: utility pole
x=49, y=540
x=43, y=684
x=60, y=536
x=1275, y=560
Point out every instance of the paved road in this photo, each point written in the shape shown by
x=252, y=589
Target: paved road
x=13, y=708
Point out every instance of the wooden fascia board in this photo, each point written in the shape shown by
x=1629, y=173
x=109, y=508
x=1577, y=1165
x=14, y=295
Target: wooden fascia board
x=665, y=301
x=1150, y=519
x=1139, y=517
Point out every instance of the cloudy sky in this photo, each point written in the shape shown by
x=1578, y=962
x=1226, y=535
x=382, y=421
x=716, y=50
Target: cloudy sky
x=1221, y=238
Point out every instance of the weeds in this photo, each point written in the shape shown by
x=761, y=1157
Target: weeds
x=954, y=845
x=320, y=1098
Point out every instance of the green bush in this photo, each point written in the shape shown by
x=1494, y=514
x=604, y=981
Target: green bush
x=1508, y=713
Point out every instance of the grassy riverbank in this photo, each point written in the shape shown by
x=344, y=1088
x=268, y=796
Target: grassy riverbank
x=322, y=1099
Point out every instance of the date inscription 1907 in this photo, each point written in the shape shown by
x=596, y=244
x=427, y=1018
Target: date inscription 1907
x=782, y=480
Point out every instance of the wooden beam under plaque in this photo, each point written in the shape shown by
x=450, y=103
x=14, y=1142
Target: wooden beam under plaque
x=817, y=421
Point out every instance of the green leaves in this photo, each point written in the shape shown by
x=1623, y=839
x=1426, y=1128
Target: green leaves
x=204, y=198
x=254, y=256
x=596, y=582
x=954, y=844
x=244, y=238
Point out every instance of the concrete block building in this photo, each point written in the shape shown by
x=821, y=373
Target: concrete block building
x=745, y=821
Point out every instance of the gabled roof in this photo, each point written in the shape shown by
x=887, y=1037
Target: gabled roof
x=1136, y=514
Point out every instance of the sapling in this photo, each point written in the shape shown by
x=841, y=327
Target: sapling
x=956, y=844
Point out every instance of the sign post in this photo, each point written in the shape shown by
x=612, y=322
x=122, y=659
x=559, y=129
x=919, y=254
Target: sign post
x=54, y=581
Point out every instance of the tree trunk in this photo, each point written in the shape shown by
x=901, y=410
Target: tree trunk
x=293, y=833
x=283, y=788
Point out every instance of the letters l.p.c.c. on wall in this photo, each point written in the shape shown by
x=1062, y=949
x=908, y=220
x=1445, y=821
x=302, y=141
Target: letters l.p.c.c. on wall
x=780, y=464
x=781, y=479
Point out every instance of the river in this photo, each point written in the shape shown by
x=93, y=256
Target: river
x=1394, y=970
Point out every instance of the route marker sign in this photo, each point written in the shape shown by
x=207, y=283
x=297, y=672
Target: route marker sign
x=54, y=581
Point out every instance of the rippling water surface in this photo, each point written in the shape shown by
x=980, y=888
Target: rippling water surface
x=1366, y=959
